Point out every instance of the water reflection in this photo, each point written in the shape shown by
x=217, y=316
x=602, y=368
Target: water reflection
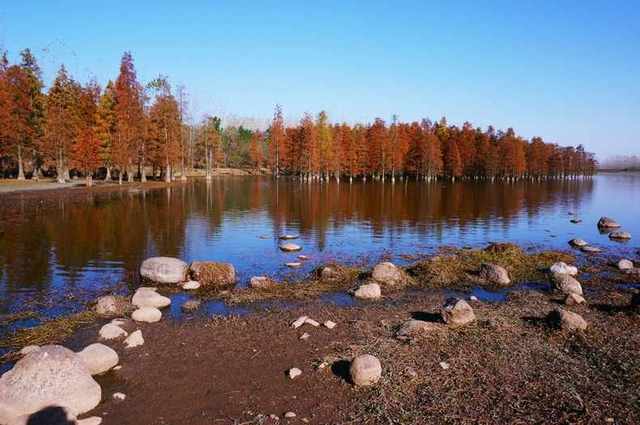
x=78, y=246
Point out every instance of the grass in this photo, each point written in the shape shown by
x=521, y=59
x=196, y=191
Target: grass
x=49, y=332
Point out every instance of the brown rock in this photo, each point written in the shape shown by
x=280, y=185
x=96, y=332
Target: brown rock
x=212, y=274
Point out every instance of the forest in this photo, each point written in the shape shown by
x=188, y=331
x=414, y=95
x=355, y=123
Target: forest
x=134, y=131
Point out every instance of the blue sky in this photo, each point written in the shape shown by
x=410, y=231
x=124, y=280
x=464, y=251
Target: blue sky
x=564, y=70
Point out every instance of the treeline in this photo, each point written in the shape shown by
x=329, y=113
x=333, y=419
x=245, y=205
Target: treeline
x=131, y=130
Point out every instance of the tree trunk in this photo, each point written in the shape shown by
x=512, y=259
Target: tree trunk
x=167, y=176
x=108, y=176
x=20, y=167
x=89, y=180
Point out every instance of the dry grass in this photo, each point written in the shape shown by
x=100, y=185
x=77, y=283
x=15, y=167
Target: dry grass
x=49, y=332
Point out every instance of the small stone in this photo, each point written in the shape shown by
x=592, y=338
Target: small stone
x=110, y=305
x=620, y=235
x=190, y=305
x=303, y=257
x=134, y=340
x=119, y=396
x=365, y=370
x=261, y=282
x=117, y=367
x=568, y=320
x=590, y=249
x=415, y=328
x=578, y=243
x=311, y=322
x=322, y=365
x=607, y=223
x=444, y=365
x=299, y=322
x=625, y=265
x=149, y=298
x=274, y=417
x=304, y=336
x=473, y=298
x=329, y=324
x=457, y=312
x=574, y=299
x=99, y=358
x=29, y=349
x=287, y=237
x=290, y=247
x=191, y=285
x=561, y=267
x=387, y=273
x=294, y=372
x=147, y=315
x=495, y=274
x=111, y=331
x=369, y=291
x=289, y=415
x=293, y=265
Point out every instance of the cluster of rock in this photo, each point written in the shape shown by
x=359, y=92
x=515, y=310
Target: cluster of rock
x=173, y=271
x=385, y=274
x=609, y=225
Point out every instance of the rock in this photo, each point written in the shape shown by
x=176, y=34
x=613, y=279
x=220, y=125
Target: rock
x=111, y=331
x=191, y=285
x=149, y=298
x=164, y=270
x=620, y=235
x=274, y=417
x=134, y=340
x=121, y=322
x=444, y=365
x=261, y=282
x=50, y=376
x=568, y=320
x=29, y=349
x=625, y=265
x=298, y=322
x=473, y=298
x=575, y=220
x=303, y=257
x=289, y=415
x=387, y=273
x=574, y=299
x=365, y=370
x=294, y=372
x=110, y=305
x=329, y=324
x=495, y=274
x=92, y=420
x=607, y=223
x=212, y=274
x=561, y=267
x=311, y=322
x=329, y=273
x=147, y=315
x=99, y=358
x=305, y=336
x=457, y=312
x=119, y=396
x=578, y=243
x=191, y=305
x=369, y=291
x=290, y=247
x=566, y=284
x=415, y=328
x=293, y=265
x=288, y=237
x=590, y=249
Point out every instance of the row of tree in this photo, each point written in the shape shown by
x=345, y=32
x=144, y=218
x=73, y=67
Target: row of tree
x=129, y=128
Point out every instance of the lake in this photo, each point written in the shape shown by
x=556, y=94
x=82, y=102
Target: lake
x=57, y=257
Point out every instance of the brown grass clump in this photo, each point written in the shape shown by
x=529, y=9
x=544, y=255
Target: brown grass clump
x=459, y=267
x=211, y=274
x=49, y=332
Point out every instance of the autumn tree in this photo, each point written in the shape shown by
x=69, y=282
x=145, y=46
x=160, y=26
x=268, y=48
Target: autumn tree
x=105, y=130
x=277, y=141
x=165, y=128
x=256, y=149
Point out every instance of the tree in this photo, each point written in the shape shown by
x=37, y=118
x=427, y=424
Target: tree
x=277, y=142
x=165, y=128
x=106, y=127
x=256, y=149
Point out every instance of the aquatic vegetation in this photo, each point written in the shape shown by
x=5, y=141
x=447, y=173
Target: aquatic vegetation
x=50, y=331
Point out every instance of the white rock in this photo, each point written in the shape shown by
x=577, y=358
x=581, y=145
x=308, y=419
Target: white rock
x=290, y=247
x=298, y=322
x=311, y=322
x=147, y=314
x=29, y=349
x=473, y=298
x=191, y=285
x=561, y=267
x=387, y=273
x=99, y=358
x=329, y=324
x=304, y=336
x=111, y=331
x=288, y=237
x=261, y=282
x=119, y=396
x=148, y=298
x=289, y=415
x=625, y=265
x=92, y=420
x=294, y=372
x=444, y=365
x=164, y=270
x=53, y=375
x=293, y=265
x=369, y=291
x=365, y=370
x=134, y=340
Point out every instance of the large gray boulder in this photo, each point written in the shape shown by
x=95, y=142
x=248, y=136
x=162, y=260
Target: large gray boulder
x=365, y=370
x=457, y=312
x=164, y=270
x=51, y=376
x=99, y=358
x=388, y=274
x=495, y=274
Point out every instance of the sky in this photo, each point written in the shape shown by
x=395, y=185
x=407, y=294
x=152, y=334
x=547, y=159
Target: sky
x=567, y=71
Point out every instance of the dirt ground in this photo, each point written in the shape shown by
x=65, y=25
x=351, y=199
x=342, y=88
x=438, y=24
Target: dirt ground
x=510, y=367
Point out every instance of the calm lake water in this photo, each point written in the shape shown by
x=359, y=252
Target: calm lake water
x=61, y=256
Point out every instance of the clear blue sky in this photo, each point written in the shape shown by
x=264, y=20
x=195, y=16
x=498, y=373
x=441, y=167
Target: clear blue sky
x=566, y=71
